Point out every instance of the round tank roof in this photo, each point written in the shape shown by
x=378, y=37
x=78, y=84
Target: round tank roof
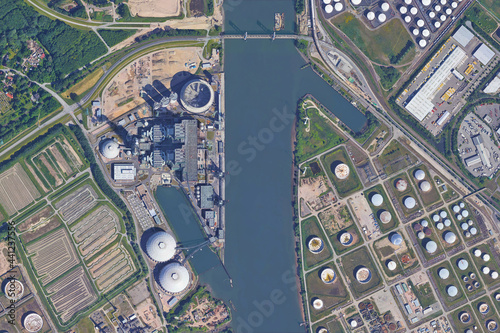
x=370, y=16
x=401, y=185
x=443, y=214
x=363, y=275
x=339, y=6
x=473, y=231
x=465, y=213
x=377, y=199
x=403, y=10
x=486, y=270
x=424, y=223
x=462, y=264
x=413, y=10
x=426, y=2
x=353, y=323
x=33, y=322
x=174, y=278
x=346, y=238
x=442, y=18
x=395, y=238
x=197, y=95
x=322, y=330
x=454, y=5
x=464, y=226
x=437, y=8
x=443, y=2
x=470, y=222
x=391, y=265
x=160, y=247
x=420, y=24
x=494, y=275
x=456, y=209
x=461, y=204
x=409, y=202
x=316, y=245
x=443, y=273
x=419, y=174
x=327, y=2
x=448, y=11
x=385, y=217
x=356, y=2
x=109, y=148
x=385, y=6
x=415, y=32
x=342, y=171
x=477, y=252
x=13, y=289
x=420, y=235
x=431, y=246
x=486, y=257
x=407, y=19
x=492, y=325
x=422, y=43
x=328, y=275
x=452, y=291
x=432, y=14
x=459, y=217
x=408, y=2
x=449, y=237
x=437, y=24
x=328, y=9
x=447, y=222
x=382, y=17
x=435, y=217
x=425, y=186
x=440, y=225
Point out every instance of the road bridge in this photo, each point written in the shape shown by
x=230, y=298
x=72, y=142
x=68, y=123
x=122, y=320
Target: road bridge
x=272, y=36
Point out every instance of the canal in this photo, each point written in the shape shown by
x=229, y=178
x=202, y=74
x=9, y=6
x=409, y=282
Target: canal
x=263, y=84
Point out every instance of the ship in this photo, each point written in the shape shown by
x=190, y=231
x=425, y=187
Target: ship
x=279, y=21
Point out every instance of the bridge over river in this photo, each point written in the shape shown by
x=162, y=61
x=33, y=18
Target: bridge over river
x=272, y=36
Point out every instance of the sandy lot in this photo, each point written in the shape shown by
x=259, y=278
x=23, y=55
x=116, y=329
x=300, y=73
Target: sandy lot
x=154, y=8
x=364, y=215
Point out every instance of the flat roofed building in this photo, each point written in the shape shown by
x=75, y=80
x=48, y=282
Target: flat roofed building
x=206, y=197
x=421, y=103
x=493, y=86
x=481, y=150
x=463, y=36
x=124, y=172
x=473, y=160
x=484, y=54
x=443, y=118
x=190, y=172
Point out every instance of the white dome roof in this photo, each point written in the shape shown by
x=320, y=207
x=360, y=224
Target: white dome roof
x=452, y=291
x=407, y=19
x=317, y=303
x=443, y=2
x=420, y=24
x=409, y=202
x=391, y=265
x=486, y=270
x=473, y=231
x=401, y=185
x=486, y=257
x=110, y=149
x=448, y=11
x=470, y=222
x=442, y=18
x=33, y=322
x=339, y=6
x=385, y=6
x=494, y=275
x=174, y=278
x=432, y=14
x=465, y=213
x=420, y=235
x=435, y=217
x=382, y=17
x=416, y=32
x=161, y=246
x=424, y=223
x=396, y=239
x=437, y=24
x=407, y=2
x=354, y=323
x=454, y=4
x=459, y=217
x=443, y=214
x=447, y=222
x=403, y=10
x=413, y=10
x=437, y=8
x=462, y=264
x=370, y=16
x=385, y=217
x=456, y=209
x=464, y=226
x=377, y=200
x=449, y=237
x=328, y=9
x=425, y=185
x=422, y=43
x=355, y=2
x=426, y=2
x=461, y=204
x=477, y=252
x=419, y=174
x=327, y=2
x=440, y=226
x=431, y=247
x=443, y=273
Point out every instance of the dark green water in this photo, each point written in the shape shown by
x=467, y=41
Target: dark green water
x=263, y=84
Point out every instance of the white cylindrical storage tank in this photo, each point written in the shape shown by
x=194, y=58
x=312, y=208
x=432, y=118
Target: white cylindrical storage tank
x=485, y=270
x=327, y=2
x=160, y=246
x=443, y=214
x=377, y=200
x=454, y=5
x=385, y=6
x=407, y=18
x=443, y=2
x=432, y=14
x=424, y=223
x=419, y=174
x=413, y=10
x=174, y=278
x=456, y=209
x=465, y=213
x=356, y=2
x=426, y=33
x=422, y=43
x=473, y=231
x=462, y=205
x=328, y=9
x=440, y=226
x=437, y=8
x=382, y=17
x=426, y=2
x=370, y=16
x=407, y=2
x=435, y=217
x=33, y=322
x=339, y=6
x=477, y=252
x=403, y=10
x=486, y=257
x=420, y=24
x=448, y=11
x=442, y=18
x=415, y=32
x=437, y=24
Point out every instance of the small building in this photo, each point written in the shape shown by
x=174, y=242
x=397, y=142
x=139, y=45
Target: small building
x=171, y=302
x=220, y=233
x=206, y=65
x=408, y=309
x=484, y=54
x=206, y=196
x=398, y=289
x=473, y=160
x=443, y=118
x=487, y=119
x=96, y=103
x=405, y=287
x=427, y=310
x=124, y=172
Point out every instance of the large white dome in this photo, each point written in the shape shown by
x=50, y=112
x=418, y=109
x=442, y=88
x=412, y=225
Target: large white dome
x=160, y=246
x=462, y=264
x=419, y=174
x=443, y=273
x=452, y=291
x=409, y=202
x=449, y=237
x=110, y=149
x=377, y=199
x=431, y=247
x=174, y=278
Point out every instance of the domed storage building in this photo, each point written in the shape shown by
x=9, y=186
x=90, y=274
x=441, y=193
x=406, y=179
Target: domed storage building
x=409, y=202
x=419, y=174
x=385, y=217
x=431, y=246
x=160, y=246
x=425, y=186
x=109, y=148
x=401, y=185
x=377, y=199
x=395, y=238
x=443, y=273
x=452, y=291
x=449, y=237
x=174, y=278
x=462, y=264
x=197, y=96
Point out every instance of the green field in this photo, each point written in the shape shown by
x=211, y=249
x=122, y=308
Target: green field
x=332, y=295
x=480, y=17
x=351, y=262
x=379, y=45
x=423, y=292
x=395, y=158
x=310, y=227
x=345, y=187
x=468, y=271
x=491, y=264
x=332, y=324
x=443, y=284
x=386, y=205
x=493, y=6
x=316, y=135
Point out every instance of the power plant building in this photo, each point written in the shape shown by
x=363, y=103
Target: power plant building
x=484, y=54
x=124, y=172
x=421, y=104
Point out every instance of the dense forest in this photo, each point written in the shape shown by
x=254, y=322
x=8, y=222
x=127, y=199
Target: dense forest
x=29, y=103
x=68, y=48
x=74, y=11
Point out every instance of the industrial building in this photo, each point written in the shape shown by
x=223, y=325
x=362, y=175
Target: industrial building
x=197, y=96
x=493, y=86
x=205, y=196
x=124, y=172
x=481, y=150
x=463, y=36
x=484, y=54
x=473, y=160
x=421, y=104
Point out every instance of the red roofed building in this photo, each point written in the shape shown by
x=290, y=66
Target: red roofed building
x=9, y=95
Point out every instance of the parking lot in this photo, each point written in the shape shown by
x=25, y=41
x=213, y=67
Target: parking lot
x=492, y=111
x=471, y=127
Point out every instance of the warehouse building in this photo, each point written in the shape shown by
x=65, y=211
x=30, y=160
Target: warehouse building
x=463, y=36
x=124, y=172
x=484, y=54
x=481, y=150
x=421, y=103
x=493, y=86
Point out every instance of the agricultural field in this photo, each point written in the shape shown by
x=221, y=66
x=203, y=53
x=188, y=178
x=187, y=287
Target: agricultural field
x=430, y=197
x=310, y=229
x=353, y=261
x=385, y=206
x=347, y=186
x=75, y=204
x=71, y=293
x=442, y=285
x=38, y=225
x=16, y=190
x=395, y=157
x=332, y=294
x=52, y=255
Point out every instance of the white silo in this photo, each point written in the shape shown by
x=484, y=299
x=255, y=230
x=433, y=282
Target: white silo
x=407, y=2
x=407, y=18
x=415, y=32
x=448, y=11
x=356, y=2
x=385, y=6
x=327, y=2
x=328, y=9
x=442, y=18
x=432, y=14
x=420, y=24
x=413, y=10
x=426, y=2
x=370, y=16
x=437, y=24
x=382, y=17
x=426, y=33
x=403, y=10
x=454, y=4
x=339, y=6
x=443, y=2
x=437, y=8
x=422, y=43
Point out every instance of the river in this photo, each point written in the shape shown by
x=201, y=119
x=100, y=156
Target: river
x=263, y=83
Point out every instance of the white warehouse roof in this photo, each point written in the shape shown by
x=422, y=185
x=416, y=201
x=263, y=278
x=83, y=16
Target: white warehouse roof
x=493, y=86
x=124, y=172
x=421, y=104
x=484, y=54
x=463, y=36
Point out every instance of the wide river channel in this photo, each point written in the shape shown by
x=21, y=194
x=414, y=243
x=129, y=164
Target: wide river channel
x=263, y=84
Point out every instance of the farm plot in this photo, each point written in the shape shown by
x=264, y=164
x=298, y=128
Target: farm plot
x=111, y=267
x=48, y=169
x=35, y=219
x=66, y=168
x=74, y=205
x=95, y=230
x=16, y=189
x=52, y=255
x=69, y=154
x=71, y=294
x=44, y=226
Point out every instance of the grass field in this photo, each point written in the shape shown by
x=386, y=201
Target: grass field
x=351, y=262
x=378, y=45
x=87, y=83
x=345, y=187
x=332, y=324
x=443, y=284
x=332, y=294
x=479, y=16
x=386, y=205
x=395, y=157
x=315, y=135
x=491, y=264
x=310, y=227
x=461, y=326
x=432, y=196
x=424, y=293
x=468, y=271
x=493, y=6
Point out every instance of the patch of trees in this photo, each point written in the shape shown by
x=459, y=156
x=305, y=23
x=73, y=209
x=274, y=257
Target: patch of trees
x=76, y=11
x=299, y=6
x=167, y=32
x=396, y=59
x=113, y=37
x=98, y=3
x=388, y=76
x=210, y=7
x=25, y=113
x=301, y=45
x=68, y=48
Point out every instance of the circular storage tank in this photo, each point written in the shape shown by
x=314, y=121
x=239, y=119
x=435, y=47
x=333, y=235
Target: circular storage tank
x=174, y=278
x=353, y=323
x=483, y=308
x=316, y=245
x=13, y=289
x=448, y=11
x=356, y=2
x=322, y=330
x=377, y=200
x=401, y=185
x=465, y=213
x=486, y=257
x=403, y=10
x=435, y=217
x=437, y=24
x=420, y=24
x=424, y=223
x=442, y=18
x=443, y=273
x=492, y=325
x=464, y=226
x=459, y=217
x=385, y=217
x=328, y=9
x=391, y=265
x=420, y=235
x=454, y=5
x=409, y=202
x=426, y=2
x=452, y=291
x=431, y=247
x=425, y=186
x=447, y=222
x=461, y=204
x=419, y=174
x=328, y=276
x=485, y=270
x=160, y=246
x=462, y=264
x=443, y=214
x=427, y=231
x=363, y=275
x=382, y=17
x=109, y=148
x=342, y=171
x=385, y=6
x=197, y=95
x=346, y=238
x=440, y=226
x=494, y=275
x=470, y=222
x=437, y=8
x=467, y=234
x=408, y=2
x=477, y=253
x=33, y=322
x=370, y=16
x=395, y=238
x=415, y=32
x=456, y=209
x=413, y=10
x=327, y=2
x=317, y=304
x=473, y=231
x=464, y=317
x=443, y=2
x=432, y=14
x=449, y=237
x=339, y=6
x=407, y=18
